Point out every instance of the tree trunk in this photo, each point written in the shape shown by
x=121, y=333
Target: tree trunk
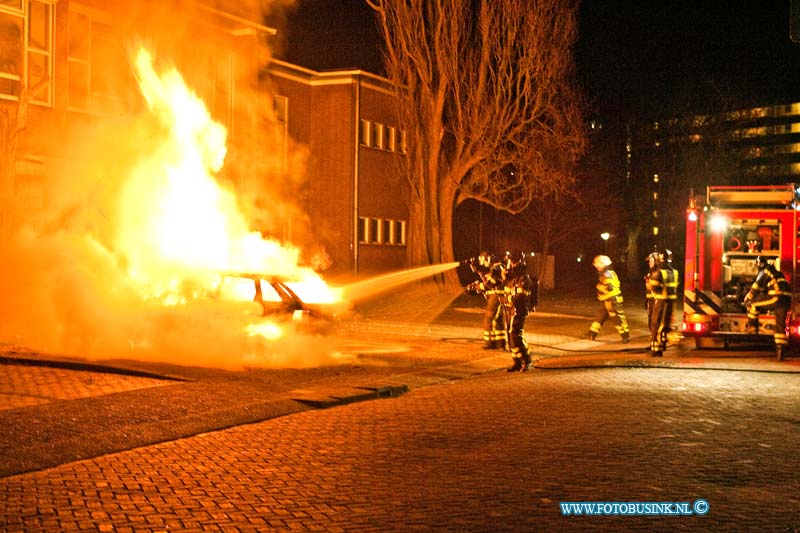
x=8, y=144
x=633, y=252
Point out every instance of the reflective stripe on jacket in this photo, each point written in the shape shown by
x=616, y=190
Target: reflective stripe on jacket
x=772, y=281
x=608, y=285
x=664, y=284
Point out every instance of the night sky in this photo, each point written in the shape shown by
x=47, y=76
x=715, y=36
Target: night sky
x=632, y=55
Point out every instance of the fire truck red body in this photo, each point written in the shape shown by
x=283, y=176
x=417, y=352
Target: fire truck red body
x=725, y=231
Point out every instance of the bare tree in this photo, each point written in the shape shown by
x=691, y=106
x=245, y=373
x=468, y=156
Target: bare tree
x=13, y=121
x=488, y=105
x=572, y=215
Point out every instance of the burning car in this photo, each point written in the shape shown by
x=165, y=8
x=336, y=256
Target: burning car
x=280, y=299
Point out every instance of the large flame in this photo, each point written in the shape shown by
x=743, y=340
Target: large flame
x=132, y=255
x=176, y=223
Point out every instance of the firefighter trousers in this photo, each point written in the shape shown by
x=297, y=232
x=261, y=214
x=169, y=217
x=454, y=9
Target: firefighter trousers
x=779, y=305
x=516, y=335
x=660, y=322
x=493, y=323
x=611, y=308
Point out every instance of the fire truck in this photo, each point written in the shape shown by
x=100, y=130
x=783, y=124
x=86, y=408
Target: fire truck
x=725, y=231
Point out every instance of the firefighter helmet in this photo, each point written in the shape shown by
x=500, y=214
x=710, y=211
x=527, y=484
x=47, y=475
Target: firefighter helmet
x=761, y=262
x=515, y=260
x=653, y=259
x=486, y=258
x=667, y=256
x=601, y=262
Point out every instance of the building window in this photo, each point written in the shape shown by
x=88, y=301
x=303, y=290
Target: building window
x=403, y=142
x=40, y=51
x=381, y=231
x=401, y=232
x=94, y=56
x=223, y=73
x=363, y=230
x=395, y=232
x=281, y=107
x=379, y=139
x=26, y=51
x=78, y=62
x=366, y=133
x=390, y=231
x=391, y=139
x=375, y=231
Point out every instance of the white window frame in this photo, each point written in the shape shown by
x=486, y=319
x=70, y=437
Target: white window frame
x=45, y=95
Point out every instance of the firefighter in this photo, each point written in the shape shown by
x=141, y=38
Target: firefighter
x=652, y=265
x=609, y=294
x=664, y=293
x=490, y=272
x=520, y=298
x=769, y=292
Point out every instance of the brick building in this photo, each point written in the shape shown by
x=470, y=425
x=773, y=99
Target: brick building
x=353, y=191
x=65, y=67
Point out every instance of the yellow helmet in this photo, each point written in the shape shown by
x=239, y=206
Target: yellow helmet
x=601, y=261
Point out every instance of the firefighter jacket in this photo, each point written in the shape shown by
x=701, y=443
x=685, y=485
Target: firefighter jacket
x=521, y=293
x=608, y=285
x=770, y=281
x=491, y=278
x=648, y=288
x=664, y=284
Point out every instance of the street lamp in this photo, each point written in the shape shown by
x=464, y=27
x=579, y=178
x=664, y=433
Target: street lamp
x=605, y=236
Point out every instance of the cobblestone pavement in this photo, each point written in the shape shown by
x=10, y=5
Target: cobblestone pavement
x=23, y=385
x=494, y=453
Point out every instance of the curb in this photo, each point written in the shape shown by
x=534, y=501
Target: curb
x=19, y=358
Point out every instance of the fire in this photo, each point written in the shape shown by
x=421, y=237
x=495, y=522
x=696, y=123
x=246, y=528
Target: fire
x=177, y=227
x=176, y=221
x=129, y=255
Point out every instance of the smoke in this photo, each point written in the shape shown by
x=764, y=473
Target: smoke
x=68, y=286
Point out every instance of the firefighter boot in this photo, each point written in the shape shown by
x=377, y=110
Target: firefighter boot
x=625, y=337
x=591, y=335
x=526, y=363
x=779, y=349
x=655, y=353
x=517, y=366
x=752, y=325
